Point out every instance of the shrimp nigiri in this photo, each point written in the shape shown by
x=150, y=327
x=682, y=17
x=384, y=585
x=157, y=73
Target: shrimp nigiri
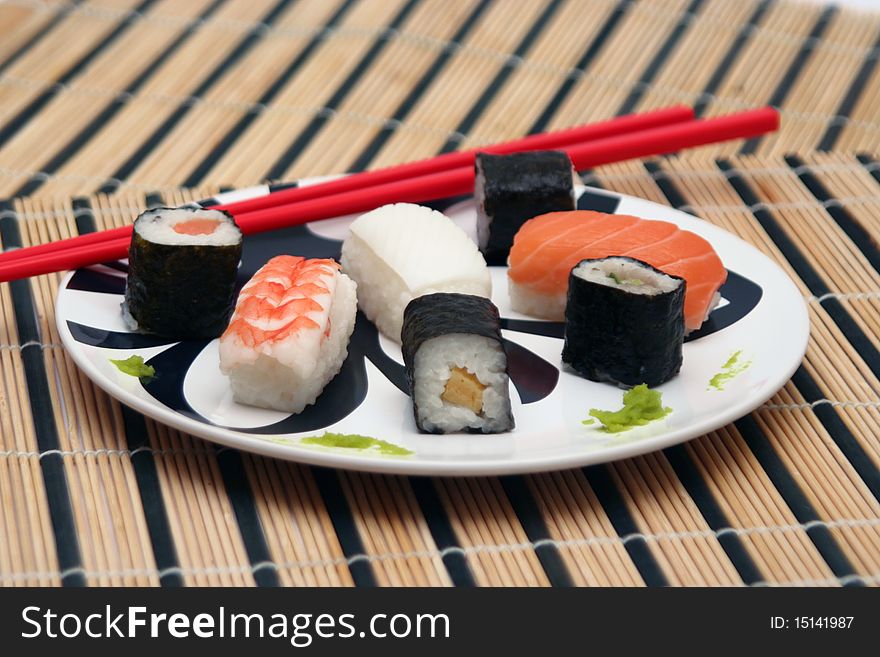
x=289, y=333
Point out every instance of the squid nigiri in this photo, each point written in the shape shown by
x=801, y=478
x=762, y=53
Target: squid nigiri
x=547, y=247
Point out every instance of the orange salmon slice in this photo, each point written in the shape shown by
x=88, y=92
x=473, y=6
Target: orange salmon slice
x=196, y=226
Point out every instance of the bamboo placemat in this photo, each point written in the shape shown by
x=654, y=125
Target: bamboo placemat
x=110, y=105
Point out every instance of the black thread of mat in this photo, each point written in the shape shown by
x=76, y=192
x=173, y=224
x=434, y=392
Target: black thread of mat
x=33, y=108
x=593, y=49
x=339, y=95
x=38, y=36
x=746, y=31
x=523, y=503
x=500, y=79
x=251, y=39
x=142, y=462
x=381, y=138
x=73, y=146
x=210, y=160
x=852, y=97
x=621, y=519
x=442, y=532
x=241, y=496
x=659, y=59
x=682, y=462
x=799, y=63
x=40, y=401
x=343, y=522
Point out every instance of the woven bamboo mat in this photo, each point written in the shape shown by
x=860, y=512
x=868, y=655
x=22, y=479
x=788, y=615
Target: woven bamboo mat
x=109, y=105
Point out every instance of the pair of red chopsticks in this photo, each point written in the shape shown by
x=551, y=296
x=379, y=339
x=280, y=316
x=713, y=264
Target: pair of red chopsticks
x=451, y=174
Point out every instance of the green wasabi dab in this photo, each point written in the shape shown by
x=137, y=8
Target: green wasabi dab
x=135, y=366
x=640, y=406
x=733, y=367
x=355, y=441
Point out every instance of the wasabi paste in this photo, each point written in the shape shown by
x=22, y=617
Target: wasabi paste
x=641, y=405
x=355, y=441
x=135, y=366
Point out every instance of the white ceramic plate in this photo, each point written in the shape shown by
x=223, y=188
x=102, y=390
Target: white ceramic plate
x=762, y=315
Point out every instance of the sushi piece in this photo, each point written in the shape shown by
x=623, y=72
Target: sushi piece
x=624, y=322
x=547, y=248
x=289, y=333
x=401, y=251
x=511, y=189
x=182, y=265
x=456, y=365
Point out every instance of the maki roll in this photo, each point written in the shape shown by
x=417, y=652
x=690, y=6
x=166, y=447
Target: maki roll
x=289, y=334
x=456, y=365
x=624, y=322
x=511, y=189
x=182, y=265
x=401, y=251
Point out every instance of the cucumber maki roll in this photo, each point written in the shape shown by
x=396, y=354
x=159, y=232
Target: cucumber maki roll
x=511, y=189
x=624, y=322
x=456, y=365
x=182, y=265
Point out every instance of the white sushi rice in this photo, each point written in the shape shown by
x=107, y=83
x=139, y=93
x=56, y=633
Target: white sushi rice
x=482, y=357
x=524, y=299
x=651, y=282
x=157, y=226
x=401, y=251
x=289, y=375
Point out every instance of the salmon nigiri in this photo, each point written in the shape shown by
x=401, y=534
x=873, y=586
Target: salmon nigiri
x=547, y=247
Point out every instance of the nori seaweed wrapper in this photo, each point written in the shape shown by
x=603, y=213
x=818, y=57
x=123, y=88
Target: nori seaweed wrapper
x=516, y=188
x=181, y=291
x=617, y=336
x=443, y=313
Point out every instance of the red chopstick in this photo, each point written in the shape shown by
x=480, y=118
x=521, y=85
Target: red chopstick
x=360, y=181
x=545, y=141
x=458, y=181
x=453, y=182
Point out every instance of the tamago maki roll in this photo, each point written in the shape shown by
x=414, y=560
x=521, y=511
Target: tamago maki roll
x=624, y=322
x=511, y=189
x=182, y=266
x=456, y=365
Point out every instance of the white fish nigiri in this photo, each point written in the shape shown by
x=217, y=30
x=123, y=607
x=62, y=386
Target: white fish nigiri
x=402, y=251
